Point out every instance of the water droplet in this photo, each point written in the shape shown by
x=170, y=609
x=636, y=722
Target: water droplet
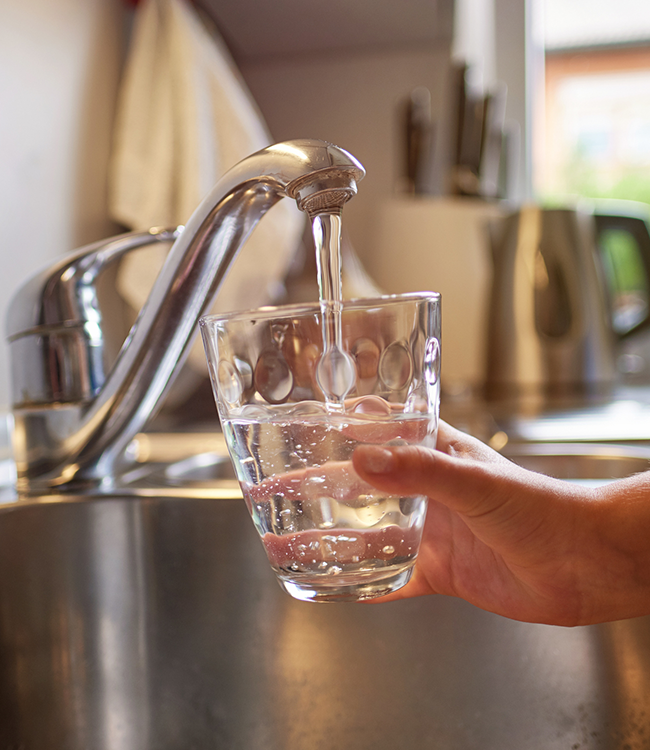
x=388, y=549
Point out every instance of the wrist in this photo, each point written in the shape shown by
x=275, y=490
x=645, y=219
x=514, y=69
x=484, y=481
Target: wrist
x=616, y=552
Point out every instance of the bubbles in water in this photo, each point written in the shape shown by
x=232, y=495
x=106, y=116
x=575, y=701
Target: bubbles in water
x=342, y=547
x=313, y=485
x=282, y=518
x=372, y=512
x=324, y=512
x=336, y=373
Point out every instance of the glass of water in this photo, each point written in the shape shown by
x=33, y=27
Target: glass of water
x=294, y=404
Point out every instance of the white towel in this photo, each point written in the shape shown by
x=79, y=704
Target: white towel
x=184, y=118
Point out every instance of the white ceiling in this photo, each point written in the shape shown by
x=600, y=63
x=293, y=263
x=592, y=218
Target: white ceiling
x=256, y=29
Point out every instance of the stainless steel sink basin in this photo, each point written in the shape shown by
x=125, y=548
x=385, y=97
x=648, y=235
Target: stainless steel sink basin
x=198, y=465
x=584, y=462
x=155, y=624
x=182, y=465
x=151, y=621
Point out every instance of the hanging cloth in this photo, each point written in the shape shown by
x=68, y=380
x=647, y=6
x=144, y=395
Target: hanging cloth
x=184, y=118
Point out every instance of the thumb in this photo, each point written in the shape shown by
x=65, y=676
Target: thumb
x=468, y=486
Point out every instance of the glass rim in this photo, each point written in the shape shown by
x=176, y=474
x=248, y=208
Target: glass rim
x=306, y=308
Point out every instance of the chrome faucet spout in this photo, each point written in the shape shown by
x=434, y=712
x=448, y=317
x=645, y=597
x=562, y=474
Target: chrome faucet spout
x=73, y=422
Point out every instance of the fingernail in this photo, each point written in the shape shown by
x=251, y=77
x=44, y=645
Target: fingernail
x=377, y=460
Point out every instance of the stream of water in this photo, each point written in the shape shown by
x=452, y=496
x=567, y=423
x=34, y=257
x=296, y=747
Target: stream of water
x=336, y=370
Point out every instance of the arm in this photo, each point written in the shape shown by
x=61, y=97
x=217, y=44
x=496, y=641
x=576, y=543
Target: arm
x=518, y=543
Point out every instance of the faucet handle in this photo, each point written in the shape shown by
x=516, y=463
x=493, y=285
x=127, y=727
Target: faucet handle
x=55, y=323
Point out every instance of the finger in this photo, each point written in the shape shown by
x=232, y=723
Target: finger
x=334, y=479
x=465, y=485
x=457, y=443
x=410, y=429
x=314, y=546
x=505, y=506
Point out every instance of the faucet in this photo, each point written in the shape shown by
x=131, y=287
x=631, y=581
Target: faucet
x=73, y=415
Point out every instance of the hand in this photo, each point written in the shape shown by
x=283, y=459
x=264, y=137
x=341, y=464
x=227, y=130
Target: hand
x=518, y=543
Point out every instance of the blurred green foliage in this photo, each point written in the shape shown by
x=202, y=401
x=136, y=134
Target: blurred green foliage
x=582, y=178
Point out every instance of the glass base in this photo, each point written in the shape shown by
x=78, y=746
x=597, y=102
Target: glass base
x=350, y=588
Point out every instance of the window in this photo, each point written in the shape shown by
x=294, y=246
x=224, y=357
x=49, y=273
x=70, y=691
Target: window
x=597, y=101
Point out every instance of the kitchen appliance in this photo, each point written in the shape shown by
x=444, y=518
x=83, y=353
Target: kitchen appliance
x=568, y=286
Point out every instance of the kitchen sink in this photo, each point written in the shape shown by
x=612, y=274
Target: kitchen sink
x=130, y=623
x=198, y=465
x=587, y=463
x=183, y=465
x=150, y=620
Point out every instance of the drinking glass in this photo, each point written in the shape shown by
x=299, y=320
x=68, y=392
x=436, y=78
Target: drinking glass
x=293, y=415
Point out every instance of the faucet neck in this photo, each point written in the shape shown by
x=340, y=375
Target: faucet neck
x=83, y=442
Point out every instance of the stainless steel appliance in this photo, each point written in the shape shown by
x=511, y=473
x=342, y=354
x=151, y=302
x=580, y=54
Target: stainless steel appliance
x=568, y=285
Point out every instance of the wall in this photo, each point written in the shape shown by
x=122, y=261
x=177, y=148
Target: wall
x=354, y=101
x=60, y=61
